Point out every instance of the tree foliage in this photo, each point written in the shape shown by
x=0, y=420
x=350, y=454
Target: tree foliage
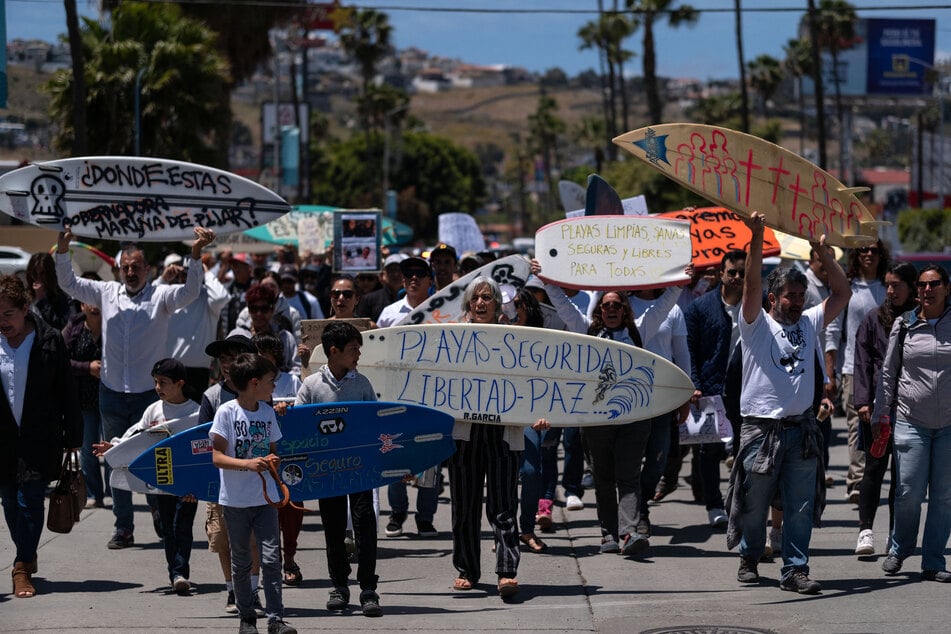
x=924, y=230
x=766, y=73
x=184, y=87
x=432, y=176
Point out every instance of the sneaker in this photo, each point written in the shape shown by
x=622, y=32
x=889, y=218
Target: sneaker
x=248, y=626
x=643, y=527
x=866, y=543
x=609, y=545
x=587, y=480
x=573, y=503
x=395, y=526
x=853, y=496
x=634, y=545
x=425, y=528
x=891, y=565
x=230, y=606
x=799, y=582
x=776, y=541
x=718, y=518
x=339, y=599
x=748, y=572
x=120, y=539
x=942, y=576
x=256, y=604
x=543, y=517
x=181, y=585
x=279, y=626
x=370, y=603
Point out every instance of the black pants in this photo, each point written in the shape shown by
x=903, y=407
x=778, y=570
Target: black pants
x=178, y=517
x=870, y=488
x=333, y=515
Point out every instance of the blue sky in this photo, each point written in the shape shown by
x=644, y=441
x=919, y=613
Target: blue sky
x=539, y=41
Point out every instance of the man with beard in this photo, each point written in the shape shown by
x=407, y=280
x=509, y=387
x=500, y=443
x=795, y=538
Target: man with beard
x=135, y=316
x=779, y=438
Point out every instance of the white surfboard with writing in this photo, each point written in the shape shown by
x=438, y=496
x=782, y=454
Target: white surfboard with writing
x=445, y=306
x=122, y=455
x=513, y=375
x=614, y=252
x=136, y=198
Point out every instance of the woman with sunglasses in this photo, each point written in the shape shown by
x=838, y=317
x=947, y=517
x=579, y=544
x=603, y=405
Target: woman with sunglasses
x=916, y=383
x=866, y=273
x=616, y=451
x=486, y=456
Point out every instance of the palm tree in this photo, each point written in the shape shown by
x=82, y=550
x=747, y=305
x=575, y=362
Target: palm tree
x=648, y=11
x=367, y=40
x=544, y=127
x=589, y=133
x=798, y=64
x=744, y=93
x=812, y=19
x=79, y=81
x=766, y=74
x=835, y=32
x=184, y=86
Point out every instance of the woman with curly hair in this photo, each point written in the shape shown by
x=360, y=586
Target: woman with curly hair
x=36, y=428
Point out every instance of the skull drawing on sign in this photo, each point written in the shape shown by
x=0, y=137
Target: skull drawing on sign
x=47, y=192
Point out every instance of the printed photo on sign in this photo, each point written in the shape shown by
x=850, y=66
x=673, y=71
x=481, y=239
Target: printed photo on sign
x=357, y=241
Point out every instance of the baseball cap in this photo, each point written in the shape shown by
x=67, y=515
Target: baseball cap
x=288, y=272
x=396, y=258
x=414, y=264
x=241, y=257
x=238, y=343
x=169, y=368
x=170, y=259
x=442, y=246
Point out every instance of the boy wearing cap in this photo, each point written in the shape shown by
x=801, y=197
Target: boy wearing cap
x=177, y=513
x=444, y=265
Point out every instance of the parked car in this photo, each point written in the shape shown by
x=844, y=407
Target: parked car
x=13, y=261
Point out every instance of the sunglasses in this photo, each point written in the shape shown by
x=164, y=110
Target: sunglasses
x=872, y=250
x=740, y=273
x=486, y=298
x=929, y=284
x=259, y=308
x=611, y=306
x=418, y=274
x=339, y=293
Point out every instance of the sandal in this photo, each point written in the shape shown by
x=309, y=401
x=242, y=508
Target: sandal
x=508, y=587
x=534, y=543
x=292, y=574
x=461, y=584
x=22, y=585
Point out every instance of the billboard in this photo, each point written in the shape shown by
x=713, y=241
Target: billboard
x=888, y=57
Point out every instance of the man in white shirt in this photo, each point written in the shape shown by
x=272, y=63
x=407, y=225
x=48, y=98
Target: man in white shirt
x=135, y=316
x=305, y=303
x=417, y=279
x=779, y=439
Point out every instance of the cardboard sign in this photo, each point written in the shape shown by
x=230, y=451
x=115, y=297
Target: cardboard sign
x=461, y=232
x=715, y=231
x=707, y=422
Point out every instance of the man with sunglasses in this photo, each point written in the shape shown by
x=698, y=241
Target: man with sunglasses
x=780, y=441
x=712, y=333
x=417, y=280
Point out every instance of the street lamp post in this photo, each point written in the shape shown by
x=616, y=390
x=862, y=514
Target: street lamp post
x=138, y=111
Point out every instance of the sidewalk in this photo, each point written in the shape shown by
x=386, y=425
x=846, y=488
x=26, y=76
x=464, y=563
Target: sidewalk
x=687, y=581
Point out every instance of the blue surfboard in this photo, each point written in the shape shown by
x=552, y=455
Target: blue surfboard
x=327, y=450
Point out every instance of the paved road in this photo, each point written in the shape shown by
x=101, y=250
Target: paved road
x=686, y=582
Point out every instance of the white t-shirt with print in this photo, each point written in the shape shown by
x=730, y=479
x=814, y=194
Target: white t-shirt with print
x=249, y=435
x=779, y=367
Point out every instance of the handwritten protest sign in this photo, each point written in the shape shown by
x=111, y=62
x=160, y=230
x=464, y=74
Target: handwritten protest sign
x=707, y=422
x=614, y=252
x=134, y=198
x=745, y=173
x=461, y=232
x=715, y=230
x=512, y=375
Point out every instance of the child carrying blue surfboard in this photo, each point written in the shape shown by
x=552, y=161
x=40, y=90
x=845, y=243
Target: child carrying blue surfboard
x=336, y=381
x=244, y=439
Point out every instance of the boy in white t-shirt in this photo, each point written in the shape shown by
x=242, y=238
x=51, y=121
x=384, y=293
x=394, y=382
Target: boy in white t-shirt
x=244, y=438
x=177, y=513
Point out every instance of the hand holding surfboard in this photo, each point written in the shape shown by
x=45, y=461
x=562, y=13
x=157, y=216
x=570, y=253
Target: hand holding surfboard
x=745, y=173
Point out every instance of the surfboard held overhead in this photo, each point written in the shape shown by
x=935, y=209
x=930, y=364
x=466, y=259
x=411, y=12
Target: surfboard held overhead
x=136, y=198
x=745, y=173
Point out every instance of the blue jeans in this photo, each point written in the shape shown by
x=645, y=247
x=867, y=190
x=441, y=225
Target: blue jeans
x=260, y=522
x=573, y=464
x=538, y=473
x=23, y=511
x=120, y=411
x=178, y=517
x=923, y=459
x=92, y=471
x=427, y=499
x=795, y=477
x=655, y=458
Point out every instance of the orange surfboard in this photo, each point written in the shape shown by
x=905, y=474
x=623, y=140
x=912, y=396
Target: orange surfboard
x=745, y=173
x=716, y=230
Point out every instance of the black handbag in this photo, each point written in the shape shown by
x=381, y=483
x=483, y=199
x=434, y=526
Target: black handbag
x=68, y=497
